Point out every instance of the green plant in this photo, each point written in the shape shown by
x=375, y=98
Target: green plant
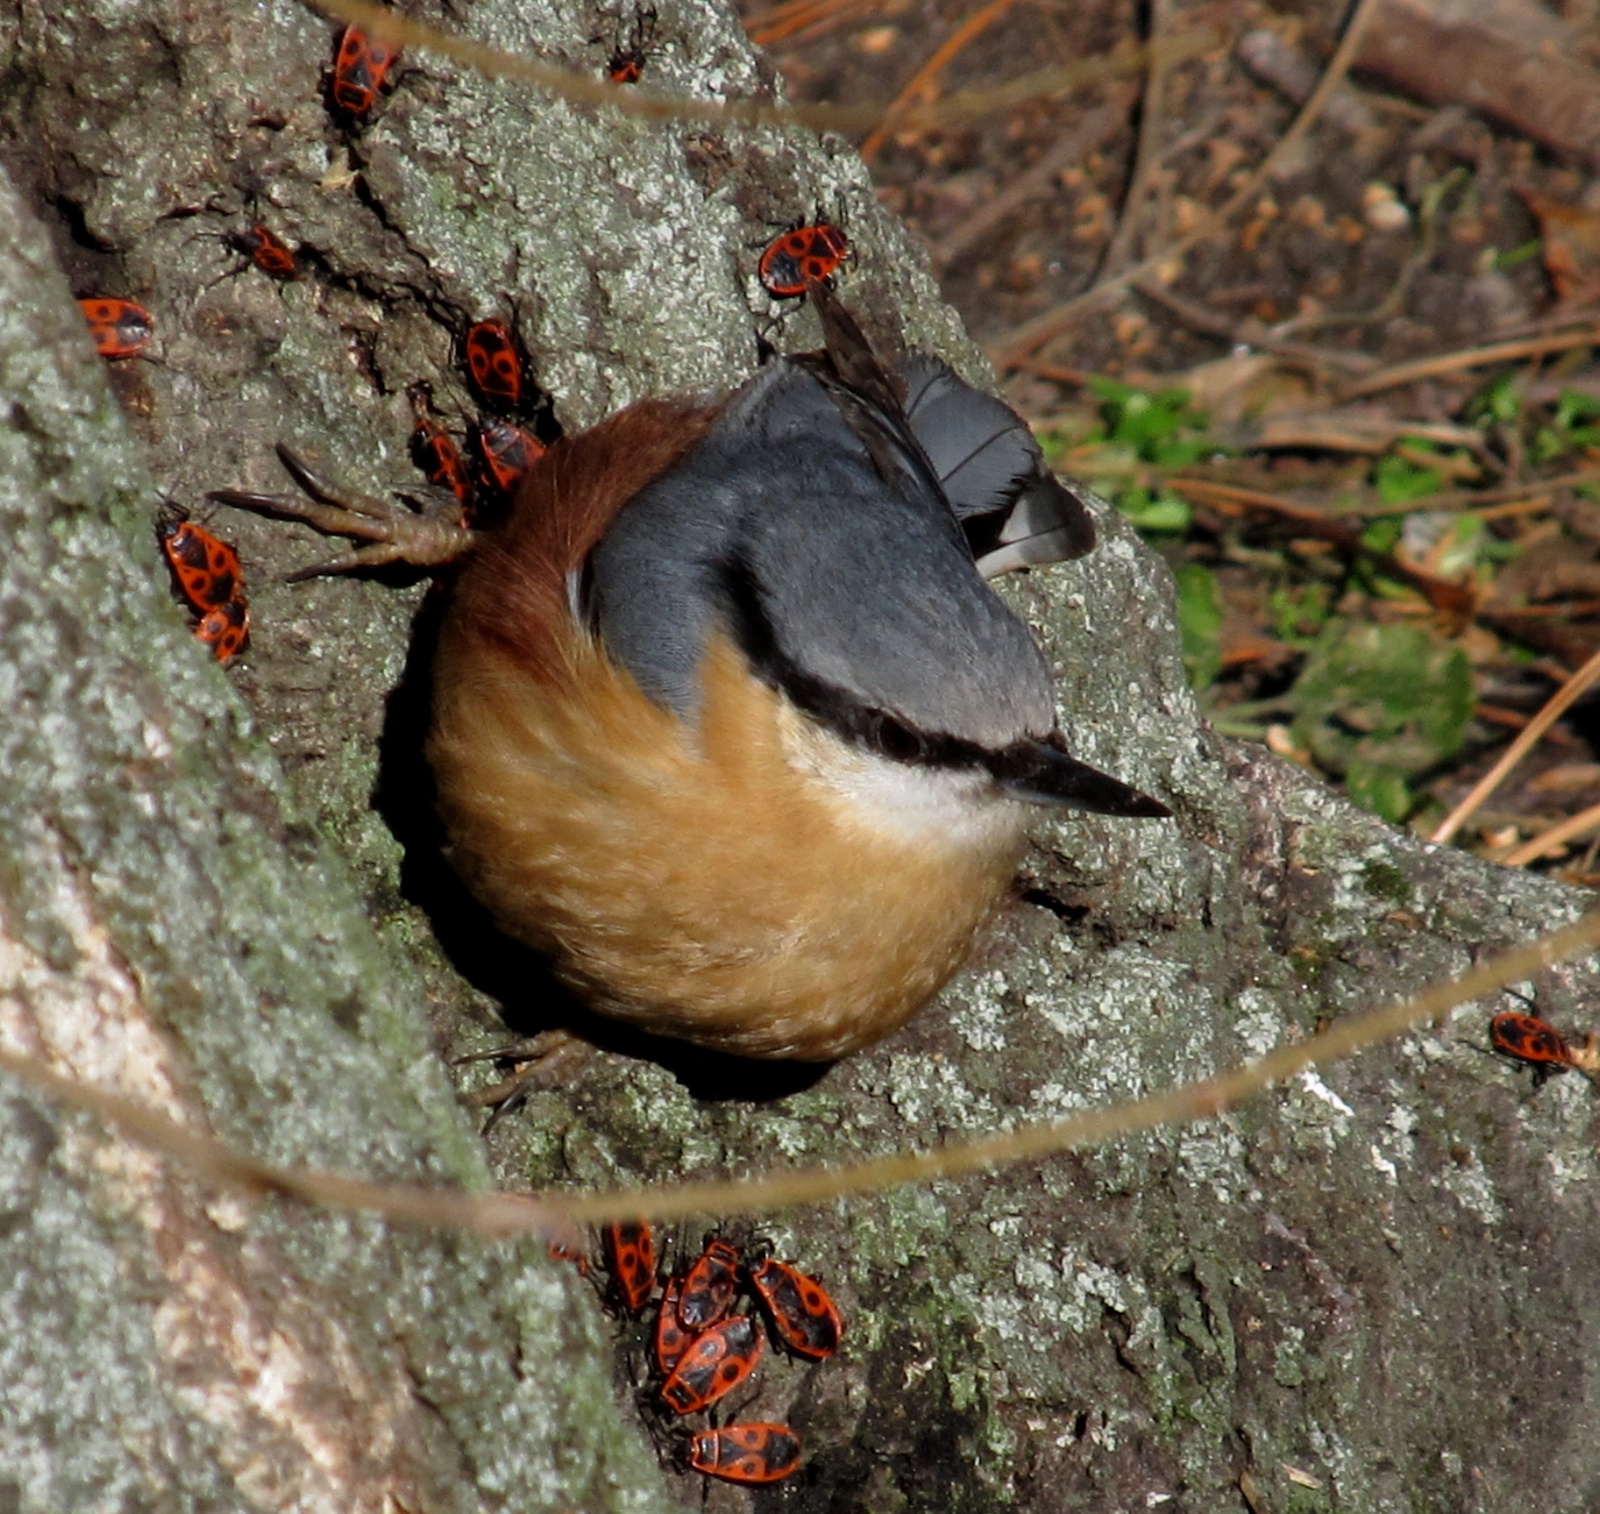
x=1200, y=620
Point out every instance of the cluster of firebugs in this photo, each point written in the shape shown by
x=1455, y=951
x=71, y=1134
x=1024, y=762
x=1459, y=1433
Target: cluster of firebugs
x=702, y=1350
x=206, y=571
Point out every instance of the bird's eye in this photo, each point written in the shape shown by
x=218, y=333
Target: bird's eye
x=896, y=741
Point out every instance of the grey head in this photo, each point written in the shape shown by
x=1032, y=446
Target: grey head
x=810, y=524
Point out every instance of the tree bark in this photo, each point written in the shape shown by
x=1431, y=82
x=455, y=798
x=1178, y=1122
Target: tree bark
x=222, y=893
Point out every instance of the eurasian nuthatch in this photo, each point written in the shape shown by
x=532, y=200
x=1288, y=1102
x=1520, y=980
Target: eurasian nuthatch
x=727, y=720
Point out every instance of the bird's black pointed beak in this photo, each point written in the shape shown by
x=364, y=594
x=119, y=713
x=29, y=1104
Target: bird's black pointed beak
x=1044, y=772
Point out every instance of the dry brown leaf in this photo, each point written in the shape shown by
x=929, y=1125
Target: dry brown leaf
x=1571, y=245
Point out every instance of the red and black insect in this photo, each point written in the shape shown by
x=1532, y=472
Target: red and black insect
x=670, y=1340
x=210, y=579
x=806, y=253
x=118, y=328
x=709, y=1285
x=630, y=1252
x=360, y=66
x=1529, y=1039
x=226, y=629
x=206, y=568
x=628, y=59
x=434, y=451
x=505, y=452
x=496, y=368
x=753, y=1453
x=802, y=1314
x=266, y=249
x=715, y=1364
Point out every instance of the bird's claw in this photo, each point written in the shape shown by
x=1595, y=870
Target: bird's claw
x=427, y=538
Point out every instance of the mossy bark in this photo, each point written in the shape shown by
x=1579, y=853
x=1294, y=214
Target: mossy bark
x=222, y=892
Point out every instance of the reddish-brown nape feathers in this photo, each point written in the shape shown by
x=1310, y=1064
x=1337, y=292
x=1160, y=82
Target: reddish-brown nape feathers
x=515, y=585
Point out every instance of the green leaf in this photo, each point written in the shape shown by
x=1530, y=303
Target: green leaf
x=1380, y=790
x=1383, y=534
x=1200, y=619
x=1156, y=424
x=1574, y=405
x=1298, y=613
x=1512, y=257
x=1569, y=427
x=1056, y=441
x=1378, y=704
x=1399, y=481
x=1547, y=445
x=1161, y=512
x=1461, y=547
x=1499, y=401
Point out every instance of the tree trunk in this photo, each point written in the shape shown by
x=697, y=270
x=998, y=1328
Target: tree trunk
x=222, y=893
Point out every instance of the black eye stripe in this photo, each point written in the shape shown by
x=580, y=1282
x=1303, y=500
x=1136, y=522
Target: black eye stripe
x=876, y=730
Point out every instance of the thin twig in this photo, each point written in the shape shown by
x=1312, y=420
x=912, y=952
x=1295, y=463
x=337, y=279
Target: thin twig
x=1472, y=499
x=655, y=105
x=1558, y=835
x=1056, y=373
x=552, y=1214
x=1250, y=332
x=1152, y=122
x=1468, y=357
x=1032, y=335
x=1568, y=609
x=1365, y=435
x=785, y=21
x=923, y=83
x=1452, y=598
x=1047, y=83
x=494, y=1216
x=1072, y=146
x=1195, y=1101
x=1582, y=313
x=1422, y=253
x=1556, y=706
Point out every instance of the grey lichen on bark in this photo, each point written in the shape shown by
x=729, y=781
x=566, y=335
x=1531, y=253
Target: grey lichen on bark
x=1100, y=1332
x=170, y=928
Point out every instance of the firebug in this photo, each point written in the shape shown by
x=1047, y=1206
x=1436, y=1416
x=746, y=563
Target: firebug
x=226, y=629
x=119, y=328
x=266, y=249
x=495, y=366
x=625, y=67
x=505, y=453
x=805, y=1318
x=627, y=61
x=709, y=1286
x=753, y=1453
x=259, y=246
x=207, y=572
x=670, y=1340
x=715, y=1364
x=630, y=1252
x=434, y=451
x=1530, y=1039
x=807, y=252
x=206, y=568
x=359, y=69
